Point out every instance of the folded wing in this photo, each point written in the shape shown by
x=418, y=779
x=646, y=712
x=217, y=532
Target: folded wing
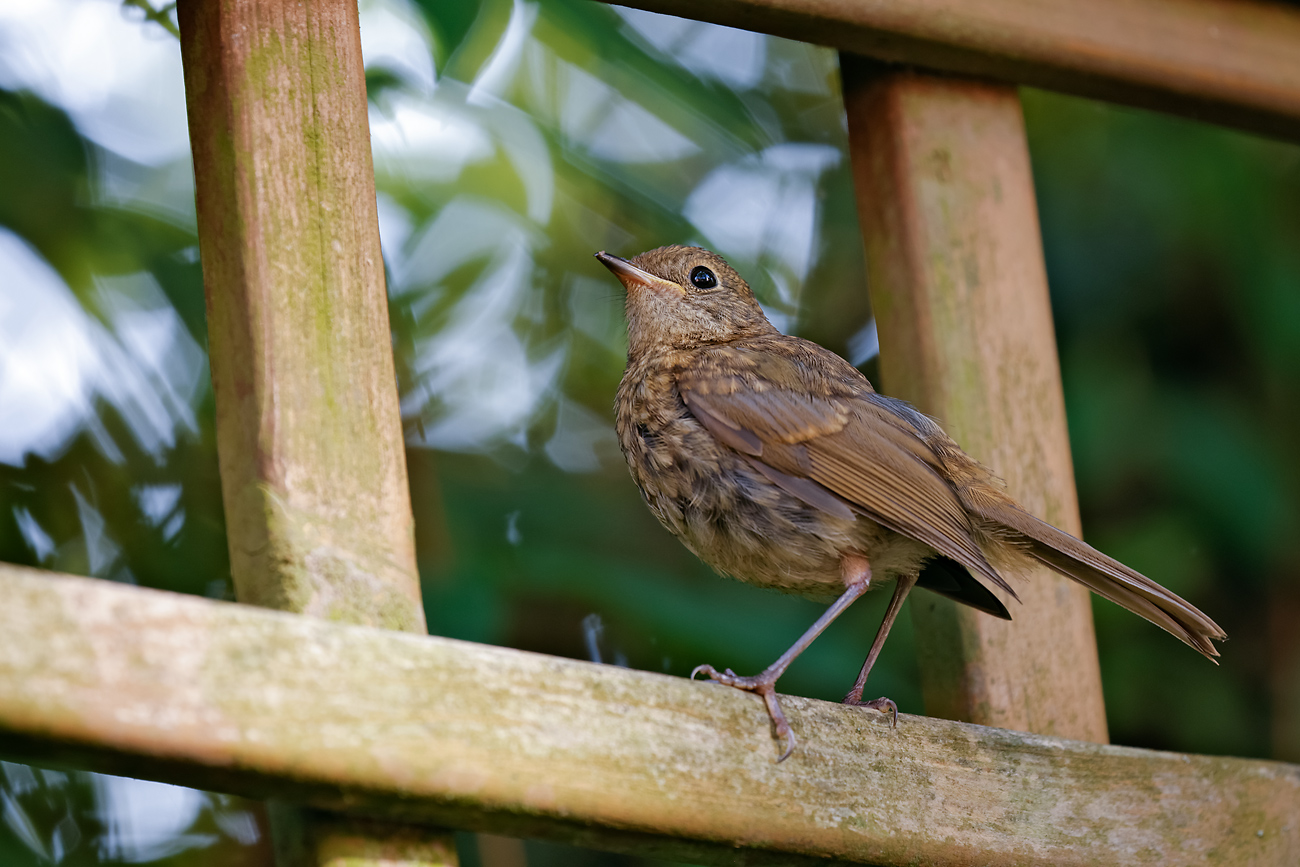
x=838, y=453
x=862, y=453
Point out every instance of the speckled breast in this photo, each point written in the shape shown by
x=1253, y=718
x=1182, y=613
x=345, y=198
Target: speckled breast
x=718, y=504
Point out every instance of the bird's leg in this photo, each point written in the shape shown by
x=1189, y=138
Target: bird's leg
x=857, y=577
x=901, y=589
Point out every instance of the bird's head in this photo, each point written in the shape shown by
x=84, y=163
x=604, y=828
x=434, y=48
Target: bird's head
x=683, y=297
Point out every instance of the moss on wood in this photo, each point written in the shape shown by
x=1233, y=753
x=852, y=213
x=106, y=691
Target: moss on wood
x=430, y=730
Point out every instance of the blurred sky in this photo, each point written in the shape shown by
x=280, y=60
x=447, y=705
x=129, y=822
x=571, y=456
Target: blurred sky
x=121, y=84
x=120, y=81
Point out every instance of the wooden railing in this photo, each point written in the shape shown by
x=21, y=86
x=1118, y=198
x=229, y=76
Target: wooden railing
x=432, y=730
x=411, y=729
x=1227, y=61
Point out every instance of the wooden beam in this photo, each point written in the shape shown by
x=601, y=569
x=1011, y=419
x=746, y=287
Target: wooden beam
x=399, y=726
x=958, y=285
x=309, y=435
x=309, y=438
x=1234, y=62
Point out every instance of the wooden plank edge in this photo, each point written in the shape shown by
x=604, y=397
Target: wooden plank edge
x=1230, y=62
x=429, y=730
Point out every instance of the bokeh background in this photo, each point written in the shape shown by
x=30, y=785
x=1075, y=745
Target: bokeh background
x=512, y=139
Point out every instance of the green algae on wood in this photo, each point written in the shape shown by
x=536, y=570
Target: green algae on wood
x=309, y=433
x=266, y=704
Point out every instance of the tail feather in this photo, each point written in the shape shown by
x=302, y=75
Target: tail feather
x=1103, y=575
x=1170, y=614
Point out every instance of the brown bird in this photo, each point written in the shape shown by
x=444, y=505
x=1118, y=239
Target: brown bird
x=774, y=461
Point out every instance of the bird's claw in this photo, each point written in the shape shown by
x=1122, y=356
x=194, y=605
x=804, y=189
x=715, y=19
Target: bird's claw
x=763, y=685
x=730, y=678
x=882, y=704
x=790, y=744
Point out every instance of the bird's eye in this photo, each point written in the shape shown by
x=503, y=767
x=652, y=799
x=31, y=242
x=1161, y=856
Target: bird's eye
x=703, y=278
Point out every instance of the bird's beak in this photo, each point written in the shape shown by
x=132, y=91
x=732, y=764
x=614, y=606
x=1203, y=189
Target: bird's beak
x=633, y=277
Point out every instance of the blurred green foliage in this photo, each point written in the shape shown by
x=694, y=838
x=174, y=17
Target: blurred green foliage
x=1176, y=285
x=541, y=132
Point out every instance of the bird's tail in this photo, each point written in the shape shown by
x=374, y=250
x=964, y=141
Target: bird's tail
x=1103, y=575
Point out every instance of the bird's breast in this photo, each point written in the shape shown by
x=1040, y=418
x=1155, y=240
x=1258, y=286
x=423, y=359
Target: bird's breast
x=714, y=500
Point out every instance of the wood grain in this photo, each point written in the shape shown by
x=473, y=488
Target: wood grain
x=309, y=436
x=959, y=289
x=1234, y=62
x=235, y=698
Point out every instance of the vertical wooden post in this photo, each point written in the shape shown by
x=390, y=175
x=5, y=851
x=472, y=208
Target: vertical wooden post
x=957, y=281
x=308, y=430
x=312, y=462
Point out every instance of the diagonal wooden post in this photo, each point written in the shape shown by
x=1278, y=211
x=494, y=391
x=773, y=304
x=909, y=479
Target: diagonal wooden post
x=309, y=436
x=957, y=281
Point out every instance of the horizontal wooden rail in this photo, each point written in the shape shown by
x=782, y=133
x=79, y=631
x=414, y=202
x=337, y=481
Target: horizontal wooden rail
x=240, y=699
x=1235, y=62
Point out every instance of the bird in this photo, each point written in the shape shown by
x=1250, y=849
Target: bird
x=776, y=462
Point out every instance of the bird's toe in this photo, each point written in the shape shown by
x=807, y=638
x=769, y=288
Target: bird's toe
x=882, y=704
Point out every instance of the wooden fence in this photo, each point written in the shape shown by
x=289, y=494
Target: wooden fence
x=334, y=714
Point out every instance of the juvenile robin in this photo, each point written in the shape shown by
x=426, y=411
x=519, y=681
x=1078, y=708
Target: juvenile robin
x=775, y=462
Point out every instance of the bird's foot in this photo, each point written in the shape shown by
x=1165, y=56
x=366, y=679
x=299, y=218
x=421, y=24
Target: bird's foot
x=763, y=685
x=882, y=704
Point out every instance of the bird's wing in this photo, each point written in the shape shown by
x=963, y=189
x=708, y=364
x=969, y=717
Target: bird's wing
x=834, y=449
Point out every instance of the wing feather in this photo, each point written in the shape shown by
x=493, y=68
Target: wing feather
x=834, y=450
x=831, y=441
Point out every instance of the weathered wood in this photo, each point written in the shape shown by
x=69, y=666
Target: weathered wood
x=958, y=285
x=433, y=730
x=1235, y=62
x=309, y=435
